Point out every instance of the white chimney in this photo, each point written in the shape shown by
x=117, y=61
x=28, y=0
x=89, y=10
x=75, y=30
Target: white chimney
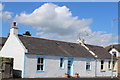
x=14, y=29
x=81, y=41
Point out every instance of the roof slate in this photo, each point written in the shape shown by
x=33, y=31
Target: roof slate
x=39, y=46
x=116, y=46
x=100, y=51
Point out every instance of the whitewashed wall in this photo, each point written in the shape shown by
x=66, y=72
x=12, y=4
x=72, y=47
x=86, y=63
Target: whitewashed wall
x=14, y=49
x=80, y=67
x=114, y=50
x=107, y=73
x=52, y=68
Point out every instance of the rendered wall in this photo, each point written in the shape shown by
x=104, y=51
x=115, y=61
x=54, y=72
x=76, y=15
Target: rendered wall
x=14, y=49
x=52, y=68
x=80, y=67
x=107, y=72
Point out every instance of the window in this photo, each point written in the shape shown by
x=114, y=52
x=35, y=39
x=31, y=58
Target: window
x=61, y=63
x=109, y=65
x=40, y=64
x=114, y=65
x=114, y=54
x=102, y=65
x=88, y=65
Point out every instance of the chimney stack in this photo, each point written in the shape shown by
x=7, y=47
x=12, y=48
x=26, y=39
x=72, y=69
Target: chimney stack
x=14, y=23
x=14, y=29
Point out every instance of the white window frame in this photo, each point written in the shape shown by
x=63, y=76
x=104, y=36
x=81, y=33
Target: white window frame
x=61, y=64
x=88, y=63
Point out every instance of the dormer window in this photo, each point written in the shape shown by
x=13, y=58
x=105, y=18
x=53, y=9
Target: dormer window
x=114, y=54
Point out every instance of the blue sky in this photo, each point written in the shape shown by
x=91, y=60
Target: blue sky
x=97, y=15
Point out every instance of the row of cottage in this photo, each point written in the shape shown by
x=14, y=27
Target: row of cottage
x=38, y=57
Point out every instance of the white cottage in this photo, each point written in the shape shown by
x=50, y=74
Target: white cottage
x=37, y=57
x=115, y=51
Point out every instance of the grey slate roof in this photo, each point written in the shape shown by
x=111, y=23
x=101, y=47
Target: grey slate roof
x=116, y=46
x=40, y=46
x=2, y=41
x=53, y=48
x=100, y=51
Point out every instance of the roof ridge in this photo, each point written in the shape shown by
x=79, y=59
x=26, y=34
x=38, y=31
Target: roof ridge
x=49, y=39
x=94, y=45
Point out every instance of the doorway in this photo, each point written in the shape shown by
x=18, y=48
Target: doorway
x=70, y=66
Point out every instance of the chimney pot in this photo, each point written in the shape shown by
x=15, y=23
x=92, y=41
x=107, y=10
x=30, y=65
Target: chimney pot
x=14, y=29
x=14, y=23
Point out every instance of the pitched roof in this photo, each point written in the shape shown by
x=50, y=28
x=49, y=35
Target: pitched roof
x=116, y=46
x=2, y=41
x=100, y=51
x=53, y=48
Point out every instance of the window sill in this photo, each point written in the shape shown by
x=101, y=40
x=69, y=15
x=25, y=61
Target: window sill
x=62, y=68
x=102, y=70
x=40, y=71
x=110, y=69
x=114, y=70
x=88, y=70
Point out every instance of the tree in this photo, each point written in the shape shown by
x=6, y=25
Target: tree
x=27, y=33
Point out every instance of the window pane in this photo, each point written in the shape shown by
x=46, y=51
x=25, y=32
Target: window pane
x=102, y=67
x=38, y=60
x=61, y=62
x=41, y=60
x=41, y=67
x=109, y=64
x=102, y=64
x=40, y=64
x=114, y=55
x=38, y=67
x=88, y=65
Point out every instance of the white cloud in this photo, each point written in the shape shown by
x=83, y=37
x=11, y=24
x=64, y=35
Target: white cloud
x=5, y=15
x=58, y=22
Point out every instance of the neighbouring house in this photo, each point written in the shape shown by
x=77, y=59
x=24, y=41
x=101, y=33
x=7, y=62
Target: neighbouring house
x=115, y=51
x=2, y=42
x=38, y=57
x=5, y=64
